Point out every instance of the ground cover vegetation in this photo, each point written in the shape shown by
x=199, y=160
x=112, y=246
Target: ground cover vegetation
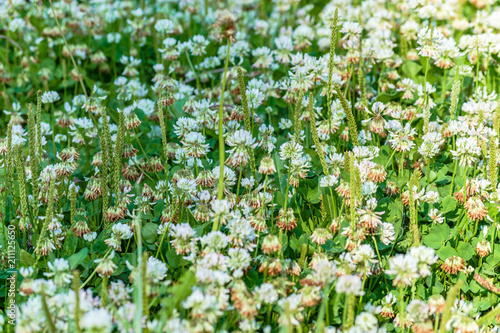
x=245, y=165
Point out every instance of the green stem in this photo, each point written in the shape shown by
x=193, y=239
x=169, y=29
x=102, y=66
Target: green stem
x=380, y=261
x=7, y=39
x=465, y=184
x=401, y=303
x=334, y=203
x=67, y=46
x=46, y=310
x=390, y=159
x=453, y=178
x=138, y=288
x=239, y=183
x=196, y=76
x=162, y=239
x=401, y=164
x=263, y=196
x=94, y=272
x=477, y=73
x=222, y=155
x=494, y=233
x=286, y=192
x=428, y=171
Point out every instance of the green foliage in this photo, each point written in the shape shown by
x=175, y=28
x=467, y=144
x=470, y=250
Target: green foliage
x=172, y=172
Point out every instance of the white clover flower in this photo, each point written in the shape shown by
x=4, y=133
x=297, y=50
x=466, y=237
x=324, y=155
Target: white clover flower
x=239, y=261
x=418, y=311
x=261, y=27
x=284, y=48
x=164, y=26
x=97, y=320
x=428, y=149
x=290, y=305
x=401, y=139
x=146, y=105
x=197, y=45
x=431, y=144
x=255, y=97
x=186, y=186
x=387, y=235
x=404, y=268
x=16, y=24
x=122, y=231
x=84, y=122
x=241, y=138
x=431, y=197
x=351, y=29
x=90, y=237
x=185, y=125
x=466, y=152
x=59, y=271
x=156, y=270
x=435, y=215
x=48, y=287
x=368, y=188
x=241, y=232
x=200, y=303
x=325, y=271
x=26, y=272
x=215, y=241
x=363, y=253
x=285, y=123
x=248, y=182
x=183, y=231
x=366, y=322
x=290, y=150
x=220, y=210
x=17, y=140
x=429, y=41
x=328, y=181
x=364, y=136
x=50, y=97
x=465, y=70
x=425, y=257
x=266, y=293
x=263, y=57
x=229, y=175
x=162, y=229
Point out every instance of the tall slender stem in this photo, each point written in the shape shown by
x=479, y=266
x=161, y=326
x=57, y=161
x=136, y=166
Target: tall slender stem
x=222, y=155
x=428, y=162
x=390, y=159
x=239, y=184
x=7, y=43
x=67, y=46
x=453, y=177
x=263, y=197
x=195, y=73
x=465, y=184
